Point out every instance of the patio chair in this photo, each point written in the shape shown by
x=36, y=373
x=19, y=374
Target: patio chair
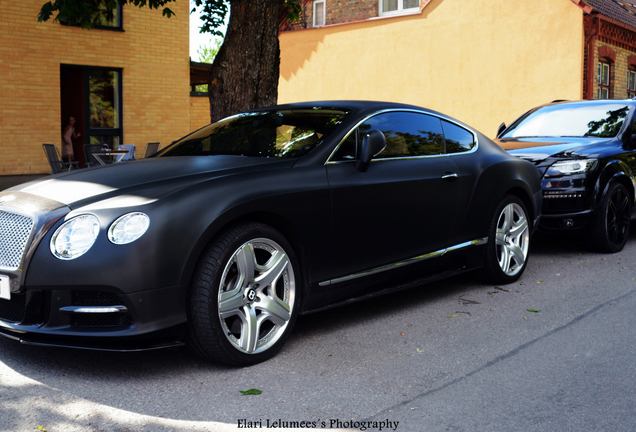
x=151, y=148
x=55, y=161
x=131, y=155
x=89, y=149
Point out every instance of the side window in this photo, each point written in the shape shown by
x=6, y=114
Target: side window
x=458, y=139
x=347, y=150
x=407, y=134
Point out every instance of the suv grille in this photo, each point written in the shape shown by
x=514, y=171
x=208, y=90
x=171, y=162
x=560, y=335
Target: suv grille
x=15, y=231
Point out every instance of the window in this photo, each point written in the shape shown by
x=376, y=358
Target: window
x=104, y=18
x=457, y=138
x=398, y=7
x=104, y=106
x=282, y=134
x=631, y=83
x=409, y=134
x=319, y=13
x=603, y=81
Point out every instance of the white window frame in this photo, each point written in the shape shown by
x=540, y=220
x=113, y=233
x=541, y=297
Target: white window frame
x=324, y=13
x=631, y=82
x=399, y=11
x=603, y=89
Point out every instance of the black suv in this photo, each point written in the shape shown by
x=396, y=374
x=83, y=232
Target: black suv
x=586, y=154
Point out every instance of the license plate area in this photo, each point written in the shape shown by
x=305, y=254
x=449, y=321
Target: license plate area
x=5, y=288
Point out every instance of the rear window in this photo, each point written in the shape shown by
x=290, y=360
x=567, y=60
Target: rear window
x=571, y=120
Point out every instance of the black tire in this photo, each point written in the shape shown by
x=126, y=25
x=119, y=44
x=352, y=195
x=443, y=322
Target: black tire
x=244, y=296
x=612, y=220
x=506, y=254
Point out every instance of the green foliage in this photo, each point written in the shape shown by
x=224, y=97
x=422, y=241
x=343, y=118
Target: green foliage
x=86, y=13
x=208, y=53
x=251, y=392
x=609, y=126
x=293, y=8
x=214, y=12
x=212, y=15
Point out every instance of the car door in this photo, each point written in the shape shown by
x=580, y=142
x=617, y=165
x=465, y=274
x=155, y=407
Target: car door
x=403, y=206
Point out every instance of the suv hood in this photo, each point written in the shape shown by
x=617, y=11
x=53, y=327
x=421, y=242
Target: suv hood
x=157, y=176
x=537, y=150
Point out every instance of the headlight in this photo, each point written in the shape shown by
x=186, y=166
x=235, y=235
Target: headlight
x=128, y=228
x=571, y=167
x=75, y=237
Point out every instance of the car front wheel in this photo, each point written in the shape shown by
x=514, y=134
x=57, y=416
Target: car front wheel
x=613, y=219
x=508, y=242
x=244, y=296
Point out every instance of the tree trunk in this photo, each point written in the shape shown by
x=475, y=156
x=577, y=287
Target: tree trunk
x=245, y=72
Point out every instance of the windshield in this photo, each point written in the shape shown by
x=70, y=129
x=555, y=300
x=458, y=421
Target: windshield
x=283, y=134
x=572, y=120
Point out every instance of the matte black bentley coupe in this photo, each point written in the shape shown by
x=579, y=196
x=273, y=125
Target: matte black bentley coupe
x=221, y=239
x=586, y=153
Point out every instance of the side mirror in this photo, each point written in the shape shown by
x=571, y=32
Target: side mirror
x=502, y=127
x=372, y=144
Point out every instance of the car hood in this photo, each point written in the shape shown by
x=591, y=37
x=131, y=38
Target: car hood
x=537, y=150
x=159, y=175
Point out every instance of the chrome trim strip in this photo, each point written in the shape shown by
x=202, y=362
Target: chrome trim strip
x=93, y=309
x=405, y=262
x=467, y=244
x=438, y=115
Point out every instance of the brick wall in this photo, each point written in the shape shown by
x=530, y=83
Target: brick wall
x=618, y=73
x=152, y=52
x=199, y=112
x=338, y=11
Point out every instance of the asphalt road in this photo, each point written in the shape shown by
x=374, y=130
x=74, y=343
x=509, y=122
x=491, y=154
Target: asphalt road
x=453, y=356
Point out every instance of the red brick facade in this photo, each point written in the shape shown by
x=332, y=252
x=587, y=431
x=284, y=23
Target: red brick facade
x=337, y=12
x=613, y=42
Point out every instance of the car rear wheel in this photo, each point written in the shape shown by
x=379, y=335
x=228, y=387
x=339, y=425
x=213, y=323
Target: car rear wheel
x=508, y=242
x=613, y=219
x=244, y=296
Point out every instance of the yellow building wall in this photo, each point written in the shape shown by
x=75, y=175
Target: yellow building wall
x=481, y=61
x=155, y=78
x=199, y=112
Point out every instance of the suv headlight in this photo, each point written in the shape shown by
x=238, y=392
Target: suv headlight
x=128, y=228
x=75, y=237
x=571, y=167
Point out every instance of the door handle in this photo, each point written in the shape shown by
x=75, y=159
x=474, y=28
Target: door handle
x=450, y=176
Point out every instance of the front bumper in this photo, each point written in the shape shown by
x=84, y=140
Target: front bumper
x=96, y=319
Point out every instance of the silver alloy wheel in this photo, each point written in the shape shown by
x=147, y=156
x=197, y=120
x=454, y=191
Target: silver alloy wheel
x=257, y=295
x=512, y=239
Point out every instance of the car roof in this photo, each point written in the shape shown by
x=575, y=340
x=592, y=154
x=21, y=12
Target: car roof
x=356, y=105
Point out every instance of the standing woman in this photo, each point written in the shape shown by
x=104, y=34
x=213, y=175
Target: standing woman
x=67, y=144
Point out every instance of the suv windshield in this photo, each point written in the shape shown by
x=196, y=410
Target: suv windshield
x=571, y=120
x=283, y=134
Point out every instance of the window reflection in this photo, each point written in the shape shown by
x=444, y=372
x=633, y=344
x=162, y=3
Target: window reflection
x=572, y=120
x=103, y=98
x=289, y=133
x=409, y=134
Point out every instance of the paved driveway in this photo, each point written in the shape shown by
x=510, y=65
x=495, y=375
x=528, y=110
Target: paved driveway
x=453, y=356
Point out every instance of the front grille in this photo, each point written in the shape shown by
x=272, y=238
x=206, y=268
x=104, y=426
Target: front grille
x=95, y=298
x=13, y=310
x=101, y=320
x=98, y=298
x=563, y=204
x=46, y=307
x=15, y=231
